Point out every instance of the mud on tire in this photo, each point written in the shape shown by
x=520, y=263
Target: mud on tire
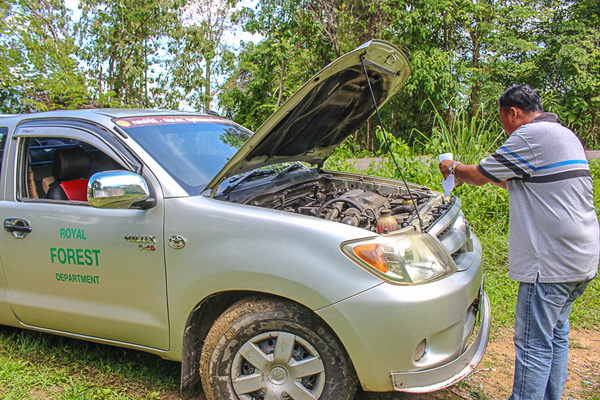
x=265, y=348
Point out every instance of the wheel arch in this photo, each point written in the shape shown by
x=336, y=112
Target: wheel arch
x=199, y=322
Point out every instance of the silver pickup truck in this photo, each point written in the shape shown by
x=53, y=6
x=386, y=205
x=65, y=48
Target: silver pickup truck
x=189, y=237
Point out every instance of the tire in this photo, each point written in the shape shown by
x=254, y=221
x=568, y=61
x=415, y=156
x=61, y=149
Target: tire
x=266, y=349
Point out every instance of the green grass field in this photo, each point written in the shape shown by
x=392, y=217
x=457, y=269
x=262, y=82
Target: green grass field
x=40, y=366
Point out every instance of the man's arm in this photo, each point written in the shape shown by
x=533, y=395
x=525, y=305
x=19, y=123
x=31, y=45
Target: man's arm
x=469, y=174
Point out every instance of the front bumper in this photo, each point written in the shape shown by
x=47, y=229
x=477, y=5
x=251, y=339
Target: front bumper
x=449, y=374
x=384, y=327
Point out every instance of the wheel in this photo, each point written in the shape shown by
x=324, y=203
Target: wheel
x=267, y=349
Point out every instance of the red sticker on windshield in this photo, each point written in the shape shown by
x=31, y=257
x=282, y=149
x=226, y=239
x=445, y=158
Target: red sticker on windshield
x=164, y=120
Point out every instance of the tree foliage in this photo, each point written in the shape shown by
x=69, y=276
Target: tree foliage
x=198, y=54
x=269, y=72
x=178, y=53
x=463, y=54
x=569, y=68
x=121, y=43
x=39, y=69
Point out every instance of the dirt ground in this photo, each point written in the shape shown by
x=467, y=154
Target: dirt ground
x=494, y=373
x=492, y=380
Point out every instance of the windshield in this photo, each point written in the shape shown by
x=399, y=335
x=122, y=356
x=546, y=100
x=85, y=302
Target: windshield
x=192, y=149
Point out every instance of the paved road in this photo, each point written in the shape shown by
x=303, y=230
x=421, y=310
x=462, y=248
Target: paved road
x=362, y=164
x=592, y=154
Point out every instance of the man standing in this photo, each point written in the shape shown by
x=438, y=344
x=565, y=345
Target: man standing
x=553, y=234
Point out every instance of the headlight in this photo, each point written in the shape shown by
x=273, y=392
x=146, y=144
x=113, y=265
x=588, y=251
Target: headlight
x=409, y=258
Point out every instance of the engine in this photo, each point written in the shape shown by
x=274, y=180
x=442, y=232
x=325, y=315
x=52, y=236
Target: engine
x=348, y=199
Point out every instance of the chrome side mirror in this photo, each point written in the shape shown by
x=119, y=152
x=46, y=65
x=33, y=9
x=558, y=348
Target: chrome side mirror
x=117, y=189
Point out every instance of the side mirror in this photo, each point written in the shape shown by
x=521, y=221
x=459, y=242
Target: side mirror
x=117, y=189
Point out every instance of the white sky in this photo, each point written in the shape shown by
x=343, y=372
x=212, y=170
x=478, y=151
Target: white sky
x=73, y=5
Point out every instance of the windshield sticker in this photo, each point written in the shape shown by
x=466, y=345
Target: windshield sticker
x=164, y=120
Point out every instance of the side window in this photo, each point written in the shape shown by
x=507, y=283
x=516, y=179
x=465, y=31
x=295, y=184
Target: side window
x=59, y=168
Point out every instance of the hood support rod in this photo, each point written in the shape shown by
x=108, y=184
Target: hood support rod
x=387, y=143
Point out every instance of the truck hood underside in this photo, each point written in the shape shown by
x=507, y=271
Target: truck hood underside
x=325, y=111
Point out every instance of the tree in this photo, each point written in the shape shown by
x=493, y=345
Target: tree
x=568, y=67
x=39, y=70
x=301, y=37
x=198, y=54
x=266, y=74
x=122, y=42
x=464, y=53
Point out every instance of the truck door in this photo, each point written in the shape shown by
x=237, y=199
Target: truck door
x=71, y=267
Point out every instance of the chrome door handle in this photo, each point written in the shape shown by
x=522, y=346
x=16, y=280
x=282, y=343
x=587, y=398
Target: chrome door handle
x=18, y=227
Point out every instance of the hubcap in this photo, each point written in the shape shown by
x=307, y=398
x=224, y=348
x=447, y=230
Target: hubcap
x=277, y=365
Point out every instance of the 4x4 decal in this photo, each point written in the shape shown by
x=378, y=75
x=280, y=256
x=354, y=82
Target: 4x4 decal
x=146, y=242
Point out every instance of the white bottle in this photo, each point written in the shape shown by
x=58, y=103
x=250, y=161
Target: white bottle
x=448, y=183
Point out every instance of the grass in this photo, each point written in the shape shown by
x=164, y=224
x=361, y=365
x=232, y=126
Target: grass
x=40, y=366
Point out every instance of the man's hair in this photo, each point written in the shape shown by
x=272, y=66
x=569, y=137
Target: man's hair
x=523, y=97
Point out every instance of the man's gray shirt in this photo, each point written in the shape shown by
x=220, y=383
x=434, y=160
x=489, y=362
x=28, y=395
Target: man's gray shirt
x=553, y=234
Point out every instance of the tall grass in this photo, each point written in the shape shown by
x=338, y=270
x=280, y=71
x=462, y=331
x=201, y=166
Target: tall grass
x=587, y=312
x=467, y=137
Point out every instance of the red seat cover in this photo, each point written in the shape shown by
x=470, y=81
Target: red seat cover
x=75, y=190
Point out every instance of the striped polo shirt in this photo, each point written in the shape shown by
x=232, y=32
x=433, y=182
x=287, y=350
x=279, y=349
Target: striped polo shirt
x=553, y=230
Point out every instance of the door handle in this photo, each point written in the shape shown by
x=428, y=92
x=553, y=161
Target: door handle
x=18, y=227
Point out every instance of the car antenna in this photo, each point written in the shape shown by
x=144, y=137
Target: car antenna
x=387, y=143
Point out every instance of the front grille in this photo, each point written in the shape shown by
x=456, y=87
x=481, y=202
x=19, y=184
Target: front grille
x=452, y=230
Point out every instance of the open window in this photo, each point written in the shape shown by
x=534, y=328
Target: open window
x=58, y=168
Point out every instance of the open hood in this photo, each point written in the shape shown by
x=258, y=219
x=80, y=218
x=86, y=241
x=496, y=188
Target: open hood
x=325, y=111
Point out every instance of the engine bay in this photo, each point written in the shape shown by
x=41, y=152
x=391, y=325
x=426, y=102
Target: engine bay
x=351, y=199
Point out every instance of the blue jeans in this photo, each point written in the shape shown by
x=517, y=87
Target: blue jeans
x=542, y=339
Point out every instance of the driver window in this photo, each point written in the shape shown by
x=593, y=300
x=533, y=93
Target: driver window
x=59, y=168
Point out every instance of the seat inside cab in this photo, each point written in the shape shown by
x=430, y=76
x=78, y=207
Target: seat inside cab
x=59, y=168
x=71, y=170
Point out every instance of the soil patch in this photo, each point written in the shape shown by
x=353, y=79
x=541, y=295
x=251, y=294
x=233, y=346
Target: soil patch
x=495, y=372
x=492, y=380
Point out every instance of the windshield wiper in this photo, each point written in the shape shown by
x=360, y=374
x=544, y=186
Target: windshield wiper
x=290, y=168
x=257, y=173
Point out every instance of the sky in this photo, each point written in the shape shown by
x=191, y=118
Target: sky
x=73, y=5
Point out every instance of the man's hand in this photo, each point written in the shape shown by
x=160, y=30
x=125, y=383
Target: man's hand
x=466, y=173
x=445, y=167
